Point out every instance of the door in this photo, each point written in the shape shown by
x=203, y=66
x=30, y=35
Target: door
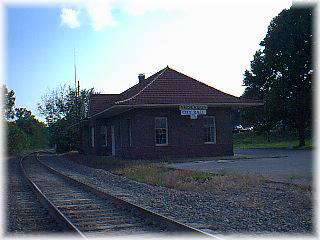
x=113, y=144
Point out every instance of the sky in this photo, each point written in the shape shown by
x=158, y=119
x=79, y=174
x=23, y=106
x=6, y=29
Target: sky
x=115, y=40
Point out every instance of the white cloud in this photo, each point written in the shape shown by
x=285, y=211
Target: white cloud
x=213, y=43
x=69, y=17
x=100, y=13
x=138, y=7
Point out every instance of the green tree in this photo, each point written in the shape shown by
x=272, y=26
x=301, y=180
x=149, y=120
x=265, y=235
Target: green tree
x=281, y=72
x=35, y=129
x=24, y=131
x=9, y=101
x=63, y=110
x=17, y=139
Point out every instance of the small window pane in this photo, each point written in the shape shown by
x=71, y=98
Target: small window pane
x=210, y=133
x=161, y=122
x=161, y=136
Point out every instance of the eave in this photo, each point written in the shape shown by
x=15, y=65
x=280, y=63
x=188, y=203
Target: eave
x=118, y=109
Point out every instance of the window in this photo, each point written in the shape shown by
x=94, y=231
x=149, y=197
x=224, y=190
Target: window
x=161, y=131
x=103, y=135
x=210, y=129
x=129, y=132
x=92, y=136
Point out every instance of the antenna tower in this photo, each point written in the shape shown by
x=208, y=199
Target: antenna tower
x=76, y=82
x=75, y=68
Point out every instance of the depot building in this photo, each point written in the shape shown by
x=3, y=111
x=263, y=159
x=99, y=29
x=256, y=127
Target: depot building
x=165, y=115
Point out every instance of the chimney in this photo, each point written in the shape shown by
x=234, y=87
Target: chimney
x=141, y=77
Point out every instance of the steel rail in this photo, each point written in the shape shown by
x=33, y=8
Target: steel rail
x=146, y=212
x=53, y=210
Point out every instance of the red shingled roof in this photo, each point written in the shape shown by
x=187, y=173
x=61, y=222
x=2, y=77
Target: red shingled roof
x=99, y=102
x=130, y=92
x=168, y=87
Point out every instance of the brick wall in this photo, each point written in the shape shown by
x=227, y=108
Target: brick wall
x=186, y=136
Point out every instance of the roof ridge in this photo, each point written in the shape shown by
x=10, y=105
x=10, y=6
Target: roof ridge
x=137, y=84
x=132, y=97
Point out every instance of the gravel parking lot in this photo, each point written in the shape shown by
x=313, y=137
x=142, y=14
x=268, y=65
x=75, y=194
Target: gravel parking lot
x=267, y=208
x=287, y=165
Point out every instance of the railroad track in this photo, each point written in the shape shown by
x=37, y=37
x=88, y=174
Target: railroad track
x=24, y=213
x=91, y=212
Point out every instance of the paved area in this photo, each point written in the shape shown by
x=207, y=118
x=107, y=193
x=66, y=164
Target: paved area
x=279, y=164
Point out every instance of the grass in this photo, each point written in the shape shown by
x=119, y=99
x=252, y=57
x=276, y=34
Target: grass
x=246, y=140
x=180, y=179
x=160, y=174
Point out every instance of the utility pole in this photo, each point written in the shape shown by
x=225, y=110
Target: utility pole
x=78, y=89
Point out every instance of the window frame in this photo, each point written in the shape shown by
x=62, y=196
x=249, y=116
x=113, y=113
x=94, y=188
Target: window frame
x=155, y=132
x=214, y=125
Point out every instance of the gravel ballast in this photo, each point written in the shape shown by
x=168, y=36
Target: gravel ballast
x=24, y=213
x=270, y=208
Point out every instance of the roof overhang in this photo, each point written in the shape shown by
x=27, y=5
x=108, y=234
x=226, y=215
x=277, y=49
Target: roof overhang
x=118, y=109
x=246, y=104
x=111, y=111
